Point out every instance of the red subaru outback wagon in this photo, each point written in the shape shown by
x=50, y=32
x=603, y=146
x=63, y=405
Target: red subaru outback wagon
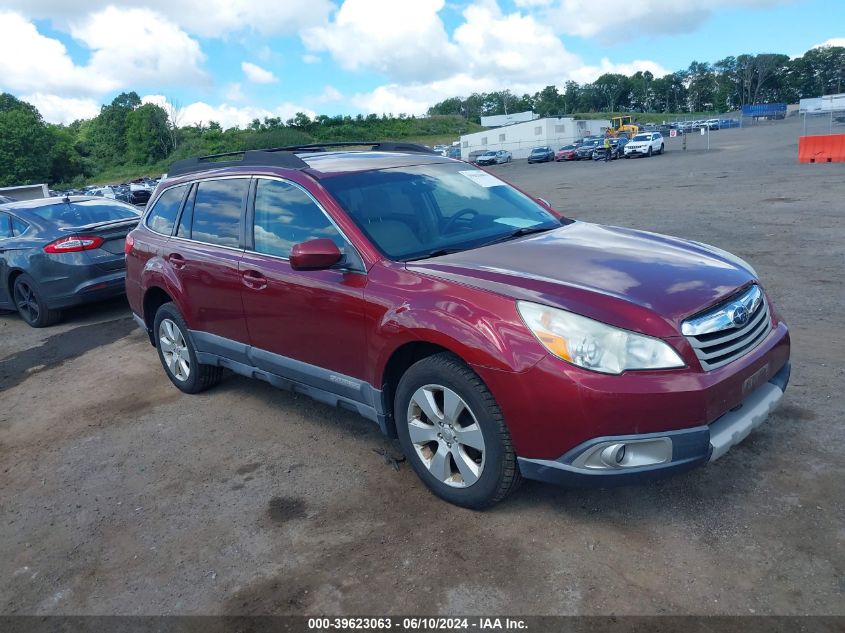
x=497, y=339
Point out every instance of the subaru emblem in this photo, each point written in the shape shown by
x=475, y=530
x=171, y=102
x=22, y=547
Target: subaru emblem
x=740, y=316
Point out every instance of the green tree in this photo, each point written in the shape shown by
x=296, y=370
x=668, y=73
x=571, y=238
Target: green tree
x=613, y=89
x=148, y=137
x=66, y=164
x=107, y=137
x=548, y=101
x=24, y=143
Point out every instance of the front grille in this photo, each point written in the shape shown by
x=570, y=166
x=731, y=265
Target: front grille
x=718, y=340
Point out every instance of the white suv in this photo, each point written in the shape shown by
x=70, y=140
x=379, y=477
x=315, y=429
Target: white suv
x=646, y=144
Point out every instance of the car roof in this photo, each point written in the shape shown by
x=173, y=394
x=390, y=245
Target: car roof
x=36, y=203
x=318, y=164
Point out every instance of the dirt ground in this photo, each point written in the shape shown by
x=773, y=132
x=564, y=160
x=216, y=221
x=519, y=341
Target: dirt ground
x=119, y=495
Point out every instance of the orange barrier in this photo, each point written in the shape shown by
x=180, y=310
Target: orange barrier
x=829, y=148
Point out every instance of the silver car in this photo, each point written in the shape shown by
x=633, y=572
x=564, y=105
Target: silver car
x=494, y=157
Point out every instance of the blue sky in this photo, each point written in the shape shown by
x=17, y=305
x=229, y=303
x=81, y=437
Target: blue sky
x=234, y=60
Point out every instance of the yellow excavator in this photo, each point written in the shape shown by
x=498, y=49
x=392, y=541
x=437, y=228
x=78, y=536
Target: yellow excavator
x=623, y=125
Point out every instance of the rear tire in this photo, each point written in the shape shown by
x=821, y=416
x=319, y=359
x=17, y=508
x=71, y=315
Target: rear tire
x=178, y=355
x=662, y=149
x=30, y=303
x=461, y=448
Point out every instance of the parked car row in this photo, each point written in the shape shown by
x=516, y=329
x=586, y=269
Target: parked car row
x=136, y=192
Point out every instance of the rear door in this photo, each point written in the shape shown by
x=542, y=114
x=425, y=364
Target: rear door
x=204, y=254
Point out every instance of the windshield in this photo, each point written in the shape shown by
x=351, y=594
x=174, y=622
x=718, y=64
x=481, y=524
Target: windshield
x=539, y=150
x=413, y=212
x=85, y=212
x=642, y=137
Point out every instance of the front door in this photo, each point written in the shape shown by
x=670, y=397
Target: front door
x=305, y=325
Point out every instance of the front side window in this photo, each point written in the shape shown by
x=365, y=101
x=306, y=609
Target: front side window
x=285, y=216
x=5, y=226
x=162, y=217
x=217, y=211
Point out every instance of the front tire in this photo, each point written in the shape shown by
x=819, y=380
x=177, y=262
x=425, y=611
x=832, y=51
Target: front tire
x=453, y=433
x=31, y=304
x=650, y=152
x=178, y=355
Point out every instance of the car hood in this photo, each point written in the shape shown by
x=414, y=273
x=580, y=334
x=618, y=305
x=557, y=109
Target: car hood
x=641, y=281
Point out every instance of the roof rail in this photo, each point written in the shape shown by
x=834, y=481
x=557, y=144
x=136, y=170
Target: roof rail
x=282, y=156
x=249, y=158
x=378, y=146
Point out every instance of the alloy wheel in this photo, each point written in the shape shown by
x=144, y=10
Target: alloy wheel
x=26, y=302
x=446, y=435
x=174, y=349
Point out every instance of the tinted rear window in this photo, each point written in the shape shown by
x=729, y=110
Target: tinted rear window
x=84, y=212
x=163, y=215
x=217, y=211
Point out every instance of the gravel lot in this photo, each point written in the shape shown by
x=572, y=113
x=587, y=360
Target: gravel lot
x=119, y=495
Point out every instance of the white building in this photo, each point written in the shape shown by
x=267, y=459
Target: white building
x=520, y=138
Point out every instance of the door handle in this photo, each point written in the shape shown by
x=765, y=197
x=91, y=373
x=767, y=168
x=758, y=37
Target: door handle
x=176, y=260
x=254, y=279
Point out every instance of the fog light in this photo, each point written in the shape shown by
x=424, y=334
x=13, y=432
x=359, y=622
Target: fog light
x=628, y=454
x=613, y=455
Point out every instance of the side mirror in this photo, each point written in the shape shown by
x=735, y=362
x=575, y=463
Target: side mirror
x=316, y=254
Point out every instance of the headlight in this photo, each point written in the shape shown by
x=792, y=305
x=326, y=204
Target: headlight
x=594, y=345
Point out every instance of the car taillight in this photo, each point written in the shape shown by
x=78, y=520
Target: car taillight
x=130, y=242
x=74, y=244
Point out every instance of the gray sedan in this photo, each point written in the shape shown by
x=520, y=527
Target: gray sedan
x=60, y=252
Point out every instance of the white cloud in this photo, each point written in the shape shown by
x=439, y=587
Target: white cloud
x=311, y=59
x=329, y=94
x=56, y=109
x=515, y=51
x=157, y=51
x=234, y=92
x=256, y=74
x=833, y=41
x=207, y=18
x=30, y=61
x=401, y=39
x=635, y=18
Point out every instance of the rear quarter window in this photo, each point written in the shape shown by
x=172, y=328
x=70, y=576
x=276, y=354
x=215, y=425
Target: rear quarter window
x=162, y=216
x=19, y=227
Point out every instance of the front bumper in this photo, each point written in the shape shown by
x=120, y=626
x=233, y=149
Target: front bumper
x=591, y=463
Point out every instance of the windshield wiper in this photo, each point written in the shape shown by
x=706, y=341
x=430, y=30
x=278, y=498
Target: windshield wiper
x=435, y=253
x=525, y=230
